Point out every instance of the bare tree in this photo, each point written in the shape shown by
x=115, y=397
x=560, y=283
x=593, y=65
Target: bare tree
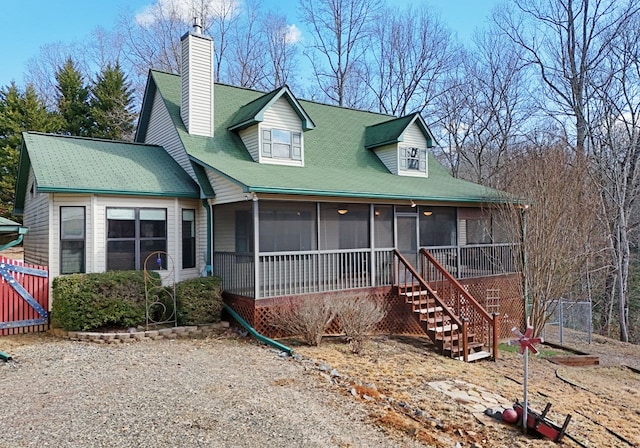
x=484, y=108
x=282, y=50
x=566, y=40
x=411, y=52
x=246, y=63
x=558, y=242
x=340, y=29
x=615, y=134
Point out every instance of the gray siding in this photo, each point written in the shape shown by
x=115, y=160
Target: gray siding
x=389, y=156
x=36, y=217
x=249, y=137
x=162, y=132
x=226, y=191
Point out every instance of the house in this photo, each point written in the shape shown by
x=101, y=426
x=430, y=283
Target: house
x=278, y=196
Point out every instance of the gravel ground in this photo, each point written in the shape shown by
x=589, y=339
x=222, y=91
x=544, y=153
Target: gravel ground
x=195, y=393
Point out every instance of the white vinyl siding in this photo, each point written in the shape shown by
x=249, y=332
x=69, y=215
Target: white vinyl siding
x=413, y=138
x=250, y=139
x=162, y=132
x=96, y=236
x=389, y=156
x=281, y=116
x=197, y=85
x=36, y=218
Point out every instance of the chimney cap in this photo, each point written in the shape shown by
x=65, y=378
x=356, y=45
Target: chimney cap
x=197, y=25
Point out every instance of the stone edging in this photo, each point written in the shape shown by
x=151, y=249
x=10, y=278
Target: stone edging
x=142, y=335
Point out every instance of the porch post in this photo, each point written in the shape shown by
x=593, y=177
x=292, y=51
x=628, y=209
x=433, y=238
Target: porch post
x=256, y=248
x=372, y=268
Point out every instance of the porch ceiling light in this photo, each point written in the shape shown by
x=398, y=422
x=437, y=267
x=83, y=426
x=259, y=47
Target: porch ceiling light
x=342, y=211
x=427, y=213
x=413, y=204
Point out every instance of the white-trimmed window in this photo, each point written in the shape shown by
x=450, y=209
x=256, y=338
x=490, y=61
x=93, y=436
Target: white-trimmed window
x=72, y=240
x=188, y=238
x=132, y=235
x=413, y=159
x=281, y=144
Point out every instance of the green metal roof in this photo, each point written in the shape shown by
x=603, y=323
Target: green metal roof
x=336, y=162
x=83, y=165
x=252, y=113
x=391, y=131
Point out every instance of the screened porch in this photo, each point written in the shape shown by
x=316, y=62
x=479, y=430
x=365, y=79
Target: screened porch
x=310, y=247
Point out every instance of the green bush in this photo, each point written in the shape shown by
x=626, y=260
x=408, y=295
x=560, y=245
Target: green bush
x=199, y=301
x=83, y=302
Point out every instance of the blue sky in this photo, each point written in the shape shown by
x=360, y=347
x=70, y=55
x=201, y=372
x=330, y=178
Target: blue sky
x=27, y=25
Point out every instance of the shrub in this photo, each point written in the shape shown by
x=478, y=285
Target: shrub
x=358, y=318
x=309, y=317
x=83, y=302
x=199, y=301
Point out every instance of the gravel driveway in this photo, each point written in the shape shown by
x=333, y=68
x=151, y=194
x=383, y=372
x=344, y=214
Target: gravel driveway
x=191, y=393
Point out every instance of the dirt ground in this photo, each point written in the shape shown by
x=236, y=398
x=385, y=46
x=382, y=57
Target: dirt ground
x=391, y=380
x=603, y=401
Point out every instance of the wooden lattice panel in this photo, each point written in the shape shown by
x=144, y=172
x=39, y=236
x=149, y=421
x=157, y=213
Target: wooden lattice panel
x=399, y=319
x=510, y=302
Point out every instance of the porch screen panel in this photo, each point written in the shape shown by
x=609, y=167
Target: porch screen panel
x=438, y=226
x=383, y=226
x=286, y=227
x=344, y=226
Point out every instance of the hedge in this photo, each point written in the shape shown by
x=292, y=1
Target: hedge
x=116, y=299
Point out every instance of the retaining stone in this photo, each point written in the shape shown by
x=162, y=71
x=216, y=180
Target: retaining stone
x=165, y=331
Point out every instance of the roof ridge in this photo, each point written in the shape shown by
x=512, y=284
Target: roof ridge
x=94, y=139
x=262, y=92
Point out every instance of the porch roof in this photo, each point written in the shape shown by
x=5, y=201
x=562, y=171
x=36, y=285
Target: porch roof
x=85, y=165
x=336, y=162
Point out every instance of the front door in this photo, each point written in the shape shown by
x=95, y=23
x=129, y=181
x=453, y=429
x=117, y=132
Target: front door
x=407, y=237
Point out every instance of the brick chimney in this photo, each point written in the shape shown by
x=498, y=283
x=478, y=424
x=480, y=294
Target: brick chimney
x=196, y=107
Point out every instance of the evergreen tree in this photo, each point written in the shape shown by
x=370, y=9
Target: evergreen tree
x=19, y=112
x=111, y=104
x=73, y=100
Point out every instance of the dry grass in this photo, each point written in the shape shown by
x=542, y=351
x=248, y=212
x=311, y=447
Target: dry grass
x=598, y=397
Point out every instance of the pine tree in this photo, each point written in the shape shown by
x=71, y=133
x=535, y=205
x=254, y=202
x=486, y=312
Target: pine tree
x=73, y=100
x=111, y=104
x=19, y=112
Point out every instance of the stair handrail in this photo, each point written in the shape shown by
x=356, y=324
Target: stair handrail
x=492, y=320
x=462, y=323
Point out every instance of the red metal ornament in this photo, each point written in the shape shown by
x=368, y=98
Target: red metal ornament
x=525, y=340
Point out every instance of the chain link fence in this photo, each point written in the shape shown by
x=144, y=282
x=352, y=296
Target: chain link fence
x=571, y=315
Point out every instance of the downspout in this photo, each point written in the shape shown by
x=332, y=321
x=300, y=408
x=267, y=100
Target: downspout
x=208, y=270
x=13, y=243
x=255, y=334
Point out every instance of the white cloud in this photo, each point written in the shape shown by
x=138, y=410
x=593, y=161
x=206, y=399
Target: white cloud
x=293, y=34
x=186, y=10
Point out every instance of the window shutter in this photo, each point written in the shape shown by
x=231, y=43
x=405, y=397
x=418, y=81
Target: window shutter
x=423, y=161
x=296, y=146
x=403, y=158
x=266, y=143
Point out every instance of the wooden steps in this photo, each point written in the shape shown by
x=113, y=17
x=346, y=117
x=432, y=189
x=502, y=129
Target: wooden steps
x=446, y=336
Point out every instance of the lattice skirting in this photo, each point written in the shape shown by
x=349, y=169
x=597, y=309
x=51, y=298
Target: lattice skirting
x=501, y=294
x=400, y=319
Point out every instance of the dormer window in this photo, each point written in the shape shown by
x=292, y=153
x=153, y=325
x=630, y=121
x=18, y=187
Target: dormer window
x=281, y=144
x=413, y=159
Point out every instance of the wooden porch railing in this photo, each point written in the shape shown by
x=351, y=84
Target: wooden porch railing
x=407, y=279
x=455, y=296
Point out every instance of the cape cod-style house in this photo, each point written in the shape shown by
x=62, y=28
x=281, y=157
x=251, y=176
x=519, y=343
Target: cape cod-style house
x=280, y=198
